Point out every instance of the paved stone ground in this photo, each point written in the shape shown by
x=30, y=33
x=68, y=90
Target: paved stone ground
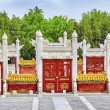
x=76, y=103
x=45, y=103
x=98, y=101
x=16, y=103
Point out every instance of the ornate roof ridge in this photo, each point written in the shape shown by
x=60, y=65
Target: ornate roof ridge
x=27, y=62
x=22, y=78
x=100, y=77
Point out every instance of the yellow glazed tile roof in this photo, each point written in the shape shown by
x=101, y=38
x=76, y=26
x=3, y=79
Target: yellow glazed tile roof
x=27, y=62
x=80, y=62
x=22, y=78
x=91, y=77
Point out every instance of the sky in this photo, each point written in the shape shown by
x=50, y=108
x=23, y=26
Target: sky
x=70, y=8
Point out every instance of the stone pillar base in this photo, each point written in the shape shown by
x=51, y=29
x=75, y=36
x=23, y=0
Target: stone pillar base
x=39, y=87
x=4, y=87
x=30, y=92
x=14, y=92
x=3, y=96
x=74, y=90
x=108, y=87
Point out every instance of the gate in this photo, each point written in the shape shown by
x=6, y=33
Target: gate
x=94, y=64
x=57, y=75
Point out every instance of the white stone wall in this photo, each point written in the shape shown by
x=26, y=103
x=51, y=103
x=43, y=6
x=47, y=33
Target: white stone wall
x=67, y=49
x=11, y=68
x=87, y=51
x=7, y=51
x=64, y=49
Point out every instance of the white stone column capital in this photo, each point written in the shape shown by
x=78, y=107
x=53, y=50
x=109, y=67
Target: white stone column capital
x=17, y=41
x=4, y=37
x=108, y=36
x=39, y=34
x=74, y=34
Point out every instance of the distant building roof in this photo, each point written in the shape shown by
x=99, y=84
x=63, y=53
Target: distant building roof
x=27, y=62
x=99, y=77
x=80, y=62
x=22, y=78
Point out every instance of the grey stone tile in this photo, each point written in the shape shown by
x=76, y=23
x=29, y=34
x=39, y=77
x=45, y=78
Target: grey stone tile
x=76, y=103
x=15, y=103
x=99, y=102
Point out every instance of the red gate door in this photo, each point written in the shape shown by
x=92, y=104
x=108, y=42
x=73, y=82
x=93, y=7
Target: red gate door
x=94, y=64
x=57, y=75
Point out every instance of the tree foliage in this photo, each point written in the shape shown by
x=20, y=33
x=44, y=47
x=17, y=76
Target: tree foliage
x=93, y=27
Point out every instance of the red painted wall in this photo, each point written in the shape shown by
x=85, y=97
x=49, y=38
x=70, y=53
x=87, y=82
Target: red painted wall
x=22, y=87
x=94, y=64
x=80, y=69
x=27, y=69
x=92, y=87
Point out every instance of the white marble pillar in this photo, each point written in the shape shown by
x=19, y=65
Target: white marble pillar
x=17, y=55
x=108, y=60
x=84, y=56
x=5, y=62
x=39, y=60
x=105, y=43
x=74, y=62
x=65, y=39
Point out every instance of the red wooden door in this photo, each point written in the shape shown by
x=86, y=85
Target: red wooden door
x=94, y=64
x=57, y=75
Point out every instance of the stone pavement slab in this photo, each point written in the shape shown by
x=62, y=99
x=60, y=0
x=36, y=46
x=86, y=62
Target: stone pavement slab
x=99, y=102
x=85, y=101
x=13, y=103
x=35, y=103
x=54, y=101
x=45, y=102
x=76, y=103
x=61, y=103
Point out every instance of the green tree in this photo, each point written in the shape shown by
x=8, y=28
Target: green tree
x=93, y=27
x=4, y=24
x=15, y=29
x=54, y=27
x=31, y=22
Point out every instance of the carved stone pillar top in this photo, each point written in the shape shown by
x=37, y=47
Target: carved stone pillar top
x=74, y=35
x=108, y=36
x=38, y=34
x=17, y=41
x=4, y=36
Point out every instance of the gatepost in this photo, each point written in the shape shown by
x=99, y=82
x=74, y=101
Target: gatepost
x=108, y=60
